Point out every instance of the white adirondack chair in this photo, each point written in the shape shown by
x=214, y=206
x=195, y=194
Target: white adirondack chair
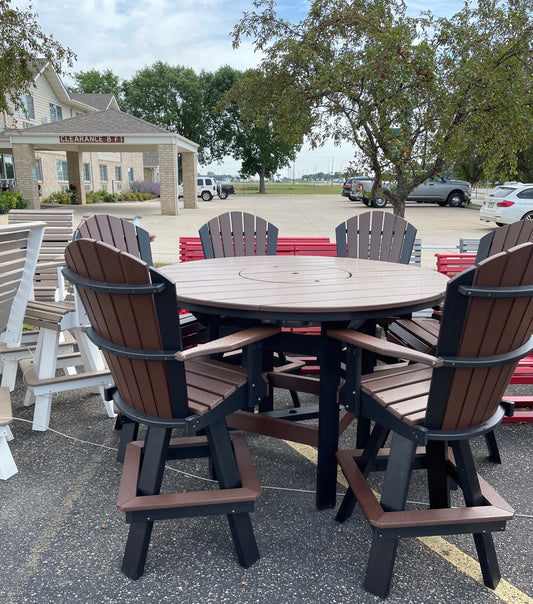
x=19, y=250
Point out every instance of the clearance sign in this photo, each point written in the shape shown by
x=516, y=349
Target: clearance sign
x=91, y=139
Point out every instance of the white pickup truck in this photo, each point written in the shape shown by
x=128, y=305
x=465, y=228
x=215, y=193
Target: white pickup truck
x=434, y=190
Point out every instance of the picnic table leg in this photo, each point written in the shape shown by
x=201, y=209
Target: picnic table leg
x=328, y=423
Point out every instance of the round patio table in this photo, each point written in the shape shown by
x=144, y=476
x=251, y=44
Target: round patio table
x=302, y=290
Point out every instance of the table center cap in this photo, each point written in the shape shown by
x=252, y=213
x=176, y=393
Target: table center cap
x=278, y=274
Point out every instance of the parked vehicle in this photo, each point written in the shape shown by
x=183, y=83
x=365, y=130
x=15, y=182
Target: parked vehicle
x=508, y=203
x=442, y=191
x=207, y=188
x=434, y=190
x=359, y=188
x=224, y=190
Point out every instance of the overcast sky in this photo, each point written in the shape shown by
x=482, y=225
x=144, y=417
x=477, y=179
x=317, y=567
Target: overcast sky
x=127, y=35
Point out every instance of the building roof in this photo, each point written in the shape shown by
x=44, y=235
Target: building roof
x=100, y=102
x=134, y=131
x=111, y=121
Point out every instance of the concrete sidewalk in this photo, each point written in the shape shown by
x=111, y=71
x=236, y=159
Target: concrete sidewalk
x=294, y=215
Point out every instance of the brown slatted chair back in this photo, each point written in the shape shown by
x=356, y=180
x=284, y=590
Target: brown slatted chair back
x=119, y=233
x=135, y=321
x=476, y=326
x=504, y=238
x=238, y=234
x=376, y=236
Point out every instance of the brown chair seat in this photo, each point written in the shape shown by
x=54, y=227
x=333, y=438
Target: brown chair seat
x=403, y=391
x=209, y=382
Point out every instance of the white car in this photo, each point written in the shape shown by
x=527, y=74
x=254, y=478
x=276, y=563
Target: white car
x=508, y=203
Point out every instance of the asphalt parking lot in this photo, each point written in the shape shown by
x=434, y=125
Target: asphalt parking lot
x=295, y=216
x=63, y=538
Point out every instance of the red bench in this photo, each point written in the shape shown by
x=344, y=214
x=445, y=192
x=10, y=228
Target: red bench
x=190, y=248
x=451, y=264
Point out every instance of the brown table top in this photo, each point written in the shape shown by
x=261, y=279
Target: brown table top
x=304, y=287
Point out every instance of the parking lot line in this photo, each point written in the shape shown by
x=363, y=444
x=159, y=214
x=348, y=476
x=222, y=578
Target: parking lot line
x=463, y=562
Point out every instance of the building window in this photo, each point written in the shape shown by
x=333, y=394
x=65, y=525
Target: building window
x=119, y=186
x=118, y=173
x=130, y=174
x=62, y=170
x=7, y=171
x=27, y=109
x=38, y=168
x=56, y=112
x=86, y=172
x=103, y=172
x=104, y=186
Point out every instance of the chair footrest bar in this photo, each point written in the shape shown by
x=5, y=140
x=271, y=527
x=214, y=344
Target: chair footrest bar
x=208, y=502
x=490, y=516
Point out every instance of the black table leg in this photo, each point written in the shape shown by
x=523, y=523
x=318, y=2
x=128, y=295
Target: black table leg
x=328, y=423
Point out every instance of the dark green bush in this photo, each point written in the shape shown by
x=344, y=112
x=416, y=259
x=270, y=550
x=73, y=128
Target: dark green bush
x=11, y=200
x=106, y=197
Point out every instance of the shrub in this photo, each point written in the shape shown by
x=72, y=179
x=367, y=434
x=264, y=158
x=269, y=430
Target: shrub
x=92, y=197
x=107, y=197
x=57, y=197
x=145, y=186
x=11, y=200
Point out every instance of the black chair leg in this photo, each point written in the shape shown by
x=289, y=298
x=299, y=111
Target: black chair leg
x=228, y=477
x=136, y=549
x=394, y=495
x=380, y=566
x=492, y=446
x=128, y=433
x=438, y=479
x=362, y=432
x=347, y=506
x=472, y=493
x=366, y=463
x=149, y=483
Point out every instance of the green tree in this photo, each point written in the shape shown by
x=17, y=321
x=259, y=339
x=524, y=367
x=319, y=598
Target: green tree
x=524, y=168
x=412, y=93
x=250, y=115
x=219, y=123
x=168, y=96
x=94, y=81
x=24, y=48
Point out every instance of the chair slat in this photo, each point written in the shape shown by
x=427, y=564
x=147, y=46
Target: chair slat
x=376, y=236
x=238, y=234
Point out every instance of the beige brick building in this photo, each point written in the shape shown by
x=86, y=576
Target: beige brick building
x=64, y=140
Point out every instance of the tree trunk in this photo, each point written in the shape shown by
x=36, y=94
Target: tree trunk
x=262, y=179
x=398, y=207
